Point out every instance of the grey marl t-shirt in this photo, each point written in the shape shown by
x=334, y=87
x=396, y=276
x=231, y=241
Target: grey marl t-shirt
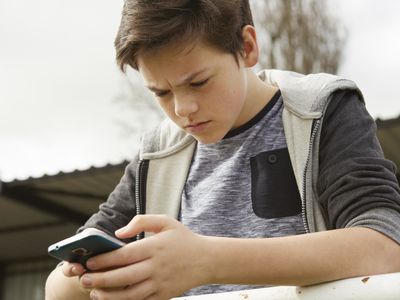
x=243, y=186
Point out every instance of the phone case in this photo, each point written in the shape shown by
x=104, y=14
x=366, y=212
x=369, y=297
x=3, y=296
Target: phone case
x=80, y=248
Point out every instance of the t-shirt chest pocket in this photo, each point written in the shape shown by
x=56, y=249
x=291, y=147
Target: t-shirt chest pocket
x=274, y=190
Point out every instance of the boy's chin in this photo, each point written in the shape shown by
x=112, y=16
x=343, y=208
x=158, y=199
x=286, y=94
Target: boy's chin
x=207, y=140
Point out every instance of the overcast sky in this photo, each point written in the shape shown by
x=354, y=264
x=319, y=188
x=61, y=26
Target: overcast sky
x=58, y=79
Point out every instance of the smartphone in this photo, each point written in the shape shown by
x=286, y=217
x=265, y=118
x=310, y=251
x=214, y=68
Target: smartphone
x=84, y=245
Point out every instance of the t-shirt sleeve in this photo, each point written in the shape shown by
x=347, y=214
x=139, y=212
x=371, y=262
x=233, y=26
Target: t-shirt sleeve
x=356, y=185
x=120, y=207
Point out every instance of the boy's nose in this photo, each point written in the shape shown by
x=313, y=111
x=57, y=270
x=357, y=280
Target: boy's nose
x=185, y=106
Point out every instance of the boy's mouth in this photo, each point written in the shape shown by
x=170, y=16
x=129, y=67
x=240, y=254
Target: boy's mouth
x=196, y=124
x=199, y=126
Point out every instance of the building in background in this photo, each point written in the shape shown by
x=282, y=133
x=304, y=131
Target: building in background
x=37, y=212
x=389, y=136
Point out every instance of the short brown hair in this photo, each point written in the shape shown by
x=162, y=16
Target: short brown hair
x=151, y=24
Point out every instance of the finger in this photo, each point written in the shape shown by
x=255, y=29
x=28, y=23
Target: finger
x=72, y=269
x=117, y=278
x=129, y=254
x=138, y=291
x=145, y=223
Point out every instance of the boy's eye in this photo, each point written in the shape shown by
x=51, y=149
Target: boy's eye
x=200, y=83
x=161, y=93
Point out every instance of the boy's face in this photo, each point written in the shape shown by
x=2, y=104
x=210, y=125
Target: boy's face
x=201, y=89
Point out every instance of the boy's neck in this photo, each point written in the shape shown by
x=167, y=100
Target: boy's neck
x=258, y=96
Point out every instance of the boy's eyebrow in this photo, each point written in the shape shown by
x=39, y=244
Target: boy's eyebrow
x=185, y=81
x=190, y=77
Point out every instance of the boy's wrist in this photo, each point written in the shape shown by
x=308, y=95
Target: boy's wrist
x=212, y=259
x=206, y=264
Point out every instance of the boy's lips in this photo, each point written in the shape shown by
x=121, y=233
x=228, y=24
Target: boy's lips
x=196, y=124
x=196, y=127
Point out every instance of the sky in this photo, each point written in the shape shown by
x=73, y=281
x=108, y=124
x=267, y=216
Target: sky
x=59, y=82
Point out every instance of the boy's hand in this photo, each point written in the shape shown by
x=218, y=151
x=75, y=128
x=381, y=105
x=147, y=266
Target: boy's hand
x=162, y=266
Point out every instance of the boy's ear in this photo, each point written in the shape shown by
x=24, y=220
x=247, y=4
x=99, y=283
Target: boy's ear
x=250, y=46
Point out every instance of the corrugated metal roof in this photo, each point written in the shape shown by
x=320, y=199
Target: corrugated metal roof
x=389, y=137
x=38, y=211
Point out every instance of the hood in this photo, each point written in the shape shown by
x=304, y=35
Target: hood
x=306, y=95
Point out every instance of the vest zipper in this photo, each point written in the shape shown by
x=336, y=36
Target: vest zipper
x=316, y=125
x=140, y=190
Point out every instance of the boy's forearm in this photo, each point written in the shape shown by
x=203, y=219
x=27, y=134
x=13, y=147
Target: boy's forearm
x=60, y=287
x=304, y=259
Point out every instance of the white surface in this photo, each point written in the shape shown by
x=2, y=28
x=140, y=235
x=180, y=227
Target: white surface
x=379, y=287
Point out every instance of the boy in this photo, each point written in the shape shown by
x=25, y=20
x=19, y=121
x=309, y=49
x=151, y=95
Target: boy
x=248, y=165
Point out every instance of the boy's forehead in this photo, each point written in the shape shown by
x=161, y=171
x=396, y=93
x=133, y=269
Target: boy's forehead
x=180, y=63
x=181, y=81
